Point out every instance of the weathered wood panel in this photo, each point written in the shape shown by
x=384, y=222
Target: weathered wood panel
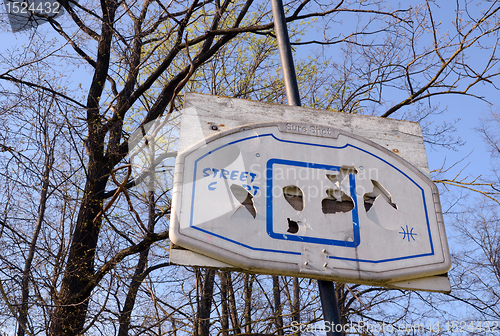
x=205, y=115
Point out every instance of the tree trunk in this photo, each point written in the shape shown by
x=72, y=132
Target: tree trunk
x=296, y=303
x=73, y=298
x=69, y=315
x=248, y=303
x=278, y=316
x=224, y=306
x=205, y=306
x=341, y=293
x=233, y=312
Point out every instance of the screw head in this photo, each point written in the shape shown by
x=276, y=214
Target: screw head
x=214, y=127
x=306, y=263
x=325, y=264
x=257, y=154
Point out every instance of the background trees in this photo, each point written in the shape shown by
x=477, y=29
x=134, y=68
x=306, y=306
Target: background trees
x=85, y=246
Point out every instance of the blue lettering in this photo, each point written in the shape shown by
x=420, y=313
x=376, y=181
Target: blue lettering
x=206, y=172
x=210, y=186
x=243, y=176
x=224, y=173
x=215, y=171
x=253, y=176
x=234, y=173
x=255, y=188
x=247, y=187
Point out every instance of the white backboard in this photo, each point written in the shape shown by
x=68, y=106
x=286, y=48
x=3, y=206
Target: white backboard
x=310, y=200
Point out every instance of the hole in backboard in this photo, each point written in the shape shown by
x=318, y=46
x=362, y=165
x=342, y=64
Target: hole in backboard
x=244, y=197
x=293, y=226
x=378, y=191
x=294, y=196
x=337, y=201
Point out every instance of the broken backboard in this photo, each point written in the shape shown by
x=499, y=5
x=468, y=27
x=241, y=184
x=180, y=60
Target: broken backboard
x=307, y=200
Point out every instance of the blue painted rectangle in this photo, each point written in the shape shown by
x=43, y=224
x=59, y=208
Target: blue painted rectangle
x=306, y=239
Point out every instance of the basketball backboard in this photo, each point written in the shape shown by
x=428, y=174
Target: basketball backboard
x=309, y=200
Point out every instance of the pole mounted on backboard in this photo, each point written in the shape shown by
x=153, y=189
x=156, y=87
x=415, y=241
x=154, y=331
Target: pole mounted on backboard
x=331, y=312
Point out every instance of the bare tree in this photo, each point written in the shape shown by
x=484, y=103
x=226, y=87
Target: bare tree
x=97, y=243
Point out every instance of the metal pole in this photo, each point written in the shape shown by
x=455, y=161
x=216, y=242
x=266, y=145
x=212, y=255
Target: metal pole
x=292, y=89
x=331, y=312
x=329, y=304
